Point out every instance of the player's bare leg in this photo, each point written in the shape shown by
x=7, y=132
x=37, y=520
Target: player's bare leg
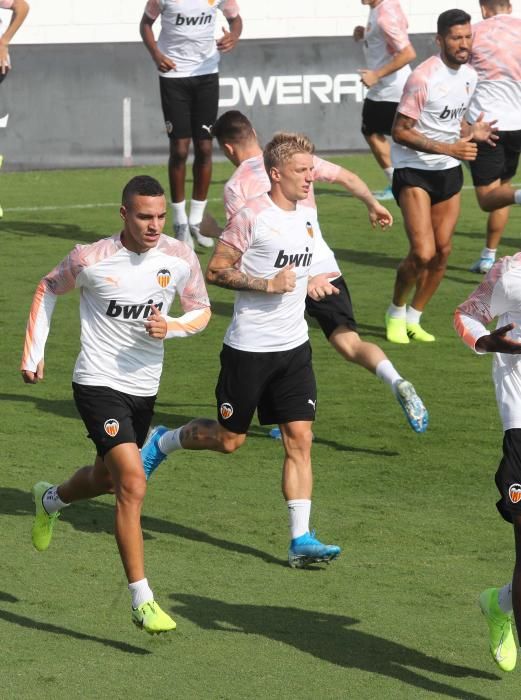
x=177, y=168
x=87, y=482
x=415, y=204
x=297, y=476
x=380, y=148
x=348, y=343
x=202, y=168
x=297, y=486
x=444, y=216
x=496, y=223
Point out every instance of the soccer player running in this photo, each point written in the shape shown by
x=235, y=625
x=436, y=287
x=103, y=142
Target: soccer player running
x=496, y=56
x=264, y=255
x=431, y=138
x=127, y=283
x=334, y=313
x=499, y=297
x=187, y=57
x=388, y=53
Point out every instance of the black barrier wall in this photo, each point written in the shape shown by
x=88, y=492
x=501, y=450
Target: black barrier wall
x=62, y=105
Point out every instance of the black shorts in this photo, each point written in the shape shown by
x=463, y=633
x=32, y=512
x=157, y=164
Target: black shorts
x=190, y=105
x=112, y=417
x=279, y=385
x=333, y=311
x=378, y=117
x=508, y=475
x=440, y=185
x=497, y=162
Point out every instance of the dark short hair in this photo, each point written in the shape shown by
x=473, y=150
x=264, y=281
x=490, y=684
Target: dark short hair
x=141, y=185
x=232, y=127
x=450, y=18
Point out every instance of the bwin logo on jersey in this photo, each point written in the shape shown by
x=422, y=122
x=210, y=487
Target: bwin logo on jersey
x=203, y=19
x=164, y=277
x=132, y=311
x=453, y=112
x=111, y=427
x=297, y=259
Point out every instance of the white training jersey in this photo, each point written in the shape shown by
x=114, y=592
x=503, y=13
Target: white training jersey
x=187, y=33
x=436, y=97
x=496, y=56
x=270, y=238
x=251, y=179
x=117, y=290
x=498, y=296
x=384, y=37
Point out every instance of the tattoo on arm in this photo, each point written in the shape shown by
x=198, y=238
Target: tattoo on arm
x=235, y=279
x=222, y=271
x=407, y=135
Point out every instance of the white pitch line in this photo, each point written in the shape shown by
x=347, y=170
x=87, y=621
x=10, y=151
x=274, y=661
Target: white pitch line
x=98, y=205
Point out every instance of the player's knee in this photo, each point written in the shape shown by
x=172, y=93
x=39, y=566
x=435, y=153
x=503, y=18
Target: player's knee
x=231, y=442
x=297, y=438
x=132, y=488
x=179, y=151
x=422, y=258
x=203, y=152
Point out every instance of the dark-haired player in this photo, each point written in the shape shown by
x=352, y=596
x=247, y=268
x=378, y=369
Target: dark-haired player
x=127, y=283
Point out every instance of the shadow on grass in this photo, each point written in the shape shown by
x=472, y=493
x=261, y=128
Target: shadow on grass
x=95, y=517
x=66, y=408
x=330, y=638
x=22, y=621
x=70, y=232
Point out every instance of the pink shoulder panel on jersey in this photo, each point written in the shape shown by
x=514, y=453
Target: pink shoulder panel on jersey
x=475, y=312
x=6, y=4
x=496, y=48
x=240, y=229
x=392, y=22
x=152, y=9
x=229, y=8
x=415, y=89
x=249, y=180
x=63, y=277
x=193, y=295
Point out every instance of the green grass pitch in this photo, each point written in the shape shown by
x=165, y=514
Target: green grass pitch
x=395, y=616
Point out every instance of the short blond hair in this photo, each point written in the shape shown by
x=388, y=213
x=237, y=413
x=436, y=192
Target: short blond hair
x=283, y=146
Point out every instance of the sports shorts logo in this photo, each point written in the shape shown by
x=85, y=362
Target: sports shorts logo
x=111, y=427
x=164, y=277
x=309, y=229
x=514, y=493
x=226, y=411
x=169, y=127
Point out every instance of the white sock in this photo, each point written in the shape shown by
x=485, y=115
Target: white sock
x=413, y=315
x=389, y=174
x=52, y=502
x=299, y=511
x=489, y=253
x=396, y=311
x=140, y=592
x=196, y=212
x=504, y=598
x=179, y=212
x=170, y=441
x=386, y=371
x=517, y=196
